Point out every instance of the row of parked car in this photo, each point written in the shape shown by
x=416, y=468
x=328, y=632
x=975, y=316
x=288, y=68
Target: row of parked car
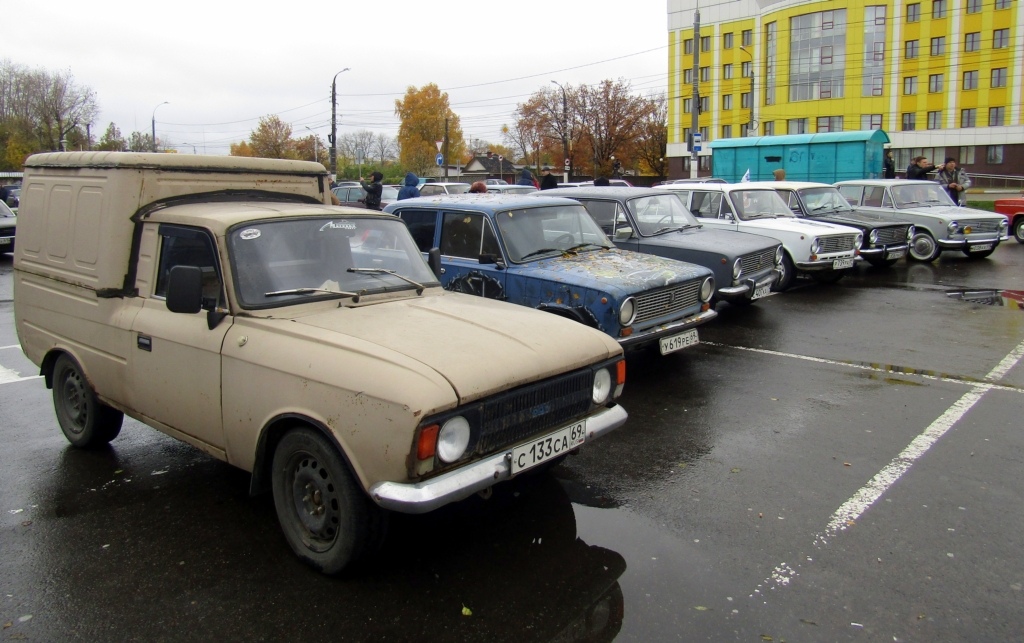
x=649, y=265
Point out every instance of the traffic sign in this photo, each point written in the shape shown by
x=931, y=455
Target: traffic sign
x=439, y=144
x=439, y=159
x=567, y=164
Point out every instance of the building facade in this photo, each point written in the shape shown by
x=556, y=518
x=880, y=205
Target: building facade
x=941, y=77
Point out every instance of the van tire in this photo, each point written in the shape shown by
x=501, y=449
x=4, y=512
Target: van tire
x=326, y=518
x=85, y=421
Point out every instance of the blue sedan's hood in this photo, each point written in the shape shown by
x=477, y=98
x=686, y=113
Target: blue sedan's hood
x=618, y=271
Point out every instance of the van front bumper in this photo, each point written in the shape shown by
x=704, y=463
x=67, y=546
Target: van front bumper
x=431, y=494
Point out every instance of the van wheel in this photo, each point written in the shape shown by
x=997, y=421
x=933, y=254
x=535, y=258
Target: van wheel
x=326, y=518
x=85, y=421
x=788, y=274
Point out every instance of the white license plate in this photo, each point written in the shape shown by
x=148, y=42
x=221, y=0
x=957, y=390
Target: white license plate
x=979, y=248
x=895, y=254
x=761, y=291
x=548, y=447
x=5, y=241
x=839, y=264
x=678, y=342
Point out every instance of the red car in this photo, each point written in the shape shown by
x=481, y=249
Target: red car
x=1014, y=211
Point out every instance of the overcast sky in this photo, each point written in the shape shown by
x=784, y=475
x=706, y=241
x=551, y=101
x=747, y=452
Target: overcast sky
x=222, y=65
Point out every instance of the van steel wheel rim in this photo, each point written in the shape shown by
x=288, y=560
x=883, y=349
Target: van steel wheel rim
x=73, y=397
x=315, y=499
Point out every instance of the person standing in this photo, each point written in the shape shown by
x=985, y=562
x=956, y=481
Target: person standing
x=955, y=180
x=919, y=168
x=888, y=166
x=548, y=180
x=373, y=191
x=779, y=174
x=525, y=178
x=411, y=188
x=478, y=187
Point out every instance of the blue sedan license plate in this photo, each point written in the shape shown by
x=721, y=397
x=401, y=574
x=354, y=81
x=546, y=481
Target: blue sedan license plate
x=678, y=342
x=548, y=447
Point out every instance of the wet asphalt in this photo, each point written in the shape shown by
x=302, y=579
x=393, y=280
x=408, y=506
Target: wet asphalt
x=834, y=463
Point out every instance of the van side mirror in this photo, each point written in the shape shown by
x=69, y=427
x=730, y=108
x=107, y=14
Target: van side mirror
x=185, y=290
x=434, y=261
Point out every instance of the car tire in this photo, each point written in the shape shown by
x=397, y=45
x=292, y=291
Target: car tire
x=979, y=254
x=923, y=247
x=85, y=421
x=1018, y=229
x=788, y=274
x=327, y=519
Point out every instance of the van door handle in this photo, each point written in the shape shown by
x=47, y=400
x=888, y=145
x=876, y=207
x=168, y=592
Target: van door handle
x=145, y=342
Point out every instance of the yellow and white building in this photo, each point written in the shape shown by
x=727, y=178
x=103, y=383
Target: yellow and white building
x=941, y=77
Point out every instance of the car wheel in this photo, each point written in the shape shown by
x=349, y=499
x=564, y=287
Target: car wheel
x=788, y=274
x=85, y=421
x=828, y=276
x=979, y=254
x=326, y=518
x=923, y=247
x=1018, y=229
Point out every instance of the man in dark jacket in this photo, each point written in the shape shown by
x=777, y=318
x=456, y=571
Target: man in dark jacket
x=525, y=178
x=411, y=188
x=919, y=169
x=548, y=179
x=373, y=191
x=888, y=166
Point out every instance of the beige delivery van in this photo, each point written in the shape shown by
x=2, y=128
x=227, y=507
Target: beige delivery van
x=223, y=302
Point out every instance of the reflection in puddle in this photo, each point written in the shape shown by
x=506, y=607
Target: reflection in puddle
x=1012, y=299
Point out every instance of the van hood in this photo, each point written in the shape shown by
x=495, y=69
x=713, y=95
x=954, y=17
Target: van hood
x=478, y=345
x=614, y=271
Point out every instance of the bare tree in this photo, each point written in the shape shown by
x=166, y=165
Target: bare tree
x=385, y=148
x=62, y=107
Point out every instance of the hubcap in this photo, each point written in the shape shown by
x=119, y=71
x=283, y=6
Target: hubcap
x=923, y=247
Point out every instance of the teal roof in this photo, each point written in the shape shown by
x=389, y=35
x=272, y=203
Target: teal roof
x=874, y=136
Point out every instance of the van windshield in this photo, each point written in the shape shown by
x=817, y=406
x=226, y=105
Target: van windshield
x=286, y=261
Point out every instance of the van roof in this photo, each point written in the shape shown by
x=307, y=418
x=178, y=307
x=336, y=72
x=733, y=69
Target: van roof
x=173, y=162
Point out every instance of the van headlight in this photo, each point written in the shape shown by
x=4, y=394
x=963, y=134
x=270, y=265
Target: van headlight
x=707, y=289
x=737, y=268
x=452, y=439
x=815, y=246
x=627, y=311
x=603, y=384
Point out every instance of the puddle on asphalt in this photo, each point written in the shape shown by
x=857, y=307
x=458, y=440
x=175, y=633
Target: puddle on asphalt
x=1010, y=299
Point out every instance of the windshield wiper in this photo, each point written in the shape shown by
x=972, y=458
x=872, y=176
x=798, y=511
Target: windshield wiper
x=668, y=229
x=580, y=246
x=538, y=252
x=308, y=291
x=384, y=271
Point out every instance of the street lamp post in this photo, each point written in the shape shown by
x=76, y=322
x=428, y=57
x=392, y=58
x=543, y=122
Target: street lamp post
x=316, y=153
x=193, y=148
x=565, y=127
x=166, y=102
x=334, y=123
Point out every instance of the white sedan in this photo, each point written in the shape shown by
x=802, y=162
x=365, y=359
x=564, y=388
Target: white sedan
x=823, y=251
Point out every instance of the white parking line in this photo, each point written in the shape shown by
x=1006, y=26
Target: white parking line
x=7, y=376
x=852, y=509
x=11, y=346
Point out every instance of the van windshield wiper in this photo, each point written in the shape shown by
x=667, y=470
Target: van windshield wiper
x=308, y=291
x=384, y=271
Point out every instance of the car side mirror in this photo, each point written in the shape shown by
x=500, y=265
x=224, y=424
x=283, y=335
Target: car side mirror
x=623, y=234
x=434, y=261
x=185, y=290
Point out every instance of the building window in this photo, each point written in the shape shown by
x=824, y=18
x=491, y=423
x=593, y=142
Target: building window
x=971, y=79
x=826, y=55
x=727, y=71
x=973, y=6
x=994, y=155
x=871, y=121
x=911, y=49
x=705, y=43
x=967, y=155
x=934, y=120
x=1002, y=4
x=969, y=117
x=909, y=122
x=830, y=123
x=909, y=85
x=747, y=69
x=688, y=46
x=688, y=76
x=972, y=41
x=727, y=40
x=934, y=83
x=796, y=126
x=877, y=83
x=878, y=51
x=745, y=100
x=704, y=105
x=726, y=131
x=727, y=101
x=705, y=74
x=704, y=134
x=938, y=46
x=938, y=9
x=687, y=105
x=996, y=116
x=817, y=55
x=1000, y=38
x=914, y=12
x=747, y=36
x=769, y=128
x=999, y=77
x=825, y=89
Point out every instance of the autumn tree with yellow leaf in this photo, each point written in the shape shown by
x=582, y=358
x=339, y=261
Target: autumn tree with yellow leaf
x=422, y=113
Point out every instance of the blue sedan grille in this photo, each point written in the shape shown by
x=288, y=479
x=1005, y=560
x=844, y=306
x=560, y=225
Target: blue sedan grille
x=674, y=299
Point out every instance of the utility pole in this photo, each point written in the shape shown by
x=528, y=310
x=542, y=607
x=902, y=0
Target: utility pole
x=334, y=123
x=565, y=134
x=166, y=102
x=695, y=108
x=445, y=159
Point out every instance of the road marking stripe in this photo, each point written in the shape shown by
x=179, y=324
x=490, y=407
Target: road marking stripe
x=8, y=376
x=867, y=495
x=11, y=346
